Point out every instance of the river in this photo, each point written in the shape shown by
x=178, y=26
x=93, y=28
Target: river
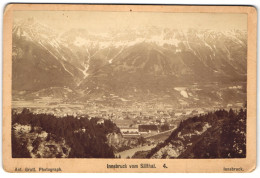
x=131, y=152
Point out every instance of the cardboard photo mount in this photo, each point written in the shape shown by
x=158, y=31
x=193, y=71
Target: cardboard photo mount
x=87, y=165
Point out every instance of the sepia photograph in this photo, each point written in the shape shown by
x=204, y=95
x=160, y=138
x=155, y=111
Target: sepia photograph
x=129, y=85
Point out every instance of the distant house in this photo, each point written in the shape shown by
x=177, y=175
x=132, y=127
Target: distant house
x=74, y=114
x=147, y=128
x=239, y=104
x=195, y=112
x=229, y=105
x=201, y=112
x=129, y=131
x=100, y=121
x=159, y=112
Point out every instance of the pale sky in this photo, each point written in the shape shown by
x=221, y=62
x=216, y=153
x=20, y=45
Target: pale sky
x=103, y=21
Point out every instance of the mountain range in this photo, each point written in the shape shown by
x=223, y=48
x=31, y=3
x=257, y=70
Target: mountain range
x=175, y=66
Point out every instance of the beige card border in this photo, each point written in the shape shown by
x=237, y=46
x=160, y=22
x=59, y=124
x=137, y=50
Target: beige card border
x=100, y=165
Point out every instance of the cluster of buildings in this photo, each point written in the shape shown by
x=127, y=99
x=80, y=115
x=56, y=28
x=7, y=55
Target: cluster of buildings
x=142, y=123
x=133, y=120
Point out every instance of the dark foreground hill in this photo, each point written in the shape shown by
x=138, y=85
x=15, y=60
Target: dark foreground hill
x=221, y=134
x=47, y=136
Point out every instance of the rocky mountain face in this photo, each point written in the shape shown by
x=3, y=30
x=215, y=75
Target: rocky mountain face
x=115, y=140
x=39, y=144
x=180, y=66
x=39, y=59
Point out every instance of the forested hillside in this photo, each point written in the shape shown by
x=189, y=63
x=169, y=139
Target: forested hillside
x=43, y=135
x=221, y=134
